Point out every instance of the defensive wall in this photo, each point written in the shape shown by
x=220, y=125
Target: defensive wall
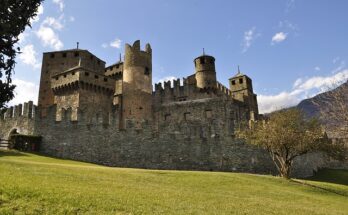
x=196, y=141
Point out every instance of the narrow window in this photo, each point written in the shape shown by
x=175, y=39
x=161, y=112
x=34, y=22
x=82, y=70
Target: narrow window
x=105, y=79
x=64, y=54
x=86, y=73
x=208, y=114
x=147, y=71
x=76, y=54
x=202, y=60
x=241, y=80
x=52, y=55
x=96, y=76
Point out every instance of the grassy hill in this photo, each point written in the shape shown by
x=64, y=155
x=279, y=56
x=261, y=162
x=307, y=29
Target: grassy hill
x=33, y=184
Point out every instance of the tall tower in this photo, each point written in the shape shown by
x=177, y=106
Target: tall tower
x=57, y=62
x=137, y=83
x=205, y=72
x=242, y=90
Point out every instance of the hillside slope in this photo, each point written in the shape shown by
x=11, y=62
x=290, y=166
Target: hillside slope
x=34, y=184
x=327, y=102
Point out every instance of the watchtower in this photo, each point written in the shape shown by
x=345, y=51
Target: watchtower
x=242, y=90
x=205, y=72
x=137, y=83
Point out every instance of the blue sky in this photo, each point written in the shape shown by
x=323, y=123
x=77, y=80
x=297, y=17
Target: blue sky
x=291, y=49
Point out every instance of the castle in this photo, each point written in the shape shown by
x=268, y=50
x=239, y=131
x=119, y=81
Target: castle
x=112, y=116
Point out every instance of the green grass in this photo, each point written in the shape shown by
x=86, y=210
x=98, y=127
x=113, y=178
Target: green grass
x=33, y=184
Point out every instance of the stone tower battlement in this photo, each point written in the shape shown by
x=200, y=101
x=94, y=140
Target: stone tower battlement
x=26, y=110
x=137, y=83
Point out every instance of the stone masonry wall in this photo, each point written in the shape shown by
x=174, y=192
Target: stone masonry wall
x=200, y=140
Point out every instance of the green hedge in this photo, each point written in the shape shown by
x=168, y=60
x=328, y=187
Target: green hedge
x=23, y=142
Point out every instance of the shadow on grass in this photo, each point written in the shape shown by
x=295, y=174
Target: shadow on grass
x=335, y=176
x=4, y=153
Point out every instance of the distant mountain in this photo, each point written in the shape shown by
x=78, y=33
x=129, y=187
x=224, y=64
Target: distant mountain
x=331, y=107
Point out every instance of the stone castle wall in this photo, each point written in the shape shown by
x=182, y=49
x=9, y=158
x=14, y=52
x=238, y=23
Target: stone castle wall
x=202, y=140
x=20, y=118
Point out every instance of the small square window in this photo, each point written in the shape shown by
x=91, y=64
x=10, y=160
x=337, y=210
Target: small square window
x=233, y=82
x=105, y=79
x=96, y=76
x=86, y=73
x=76, y=54
x=209, y=114
x=64, y=54
x=202, y=60
x=52, y=55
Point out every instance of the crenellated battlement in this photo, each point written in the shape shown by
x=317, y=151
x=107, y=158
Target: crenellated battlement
x=26, y=110
x=221, y=88
x=134, y=56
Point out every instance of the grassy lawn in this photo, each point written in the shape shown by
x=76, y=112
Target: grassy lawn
x=33, y=184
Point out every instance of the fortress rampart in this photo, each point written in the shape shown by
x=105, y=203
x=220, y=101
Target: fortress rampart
x=112, y=116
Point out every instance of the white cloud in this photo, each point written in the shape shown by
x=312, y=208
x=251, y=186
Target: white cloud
x=25, y=91
x=29, y=56
x=60, y=4
x=49, y=38
x=54, y=23
x=269, y=103
x=71, y=19
x=302, y=89
x=40, y=11
x=317, y=68
x=249, y=37
x=279, y=37
x=116, y=43
x=22, y=37
x=104, y=45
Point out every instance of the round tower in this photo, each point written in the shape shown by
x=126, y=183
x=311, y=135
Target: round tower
x=137, y=82
x=205, y=72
